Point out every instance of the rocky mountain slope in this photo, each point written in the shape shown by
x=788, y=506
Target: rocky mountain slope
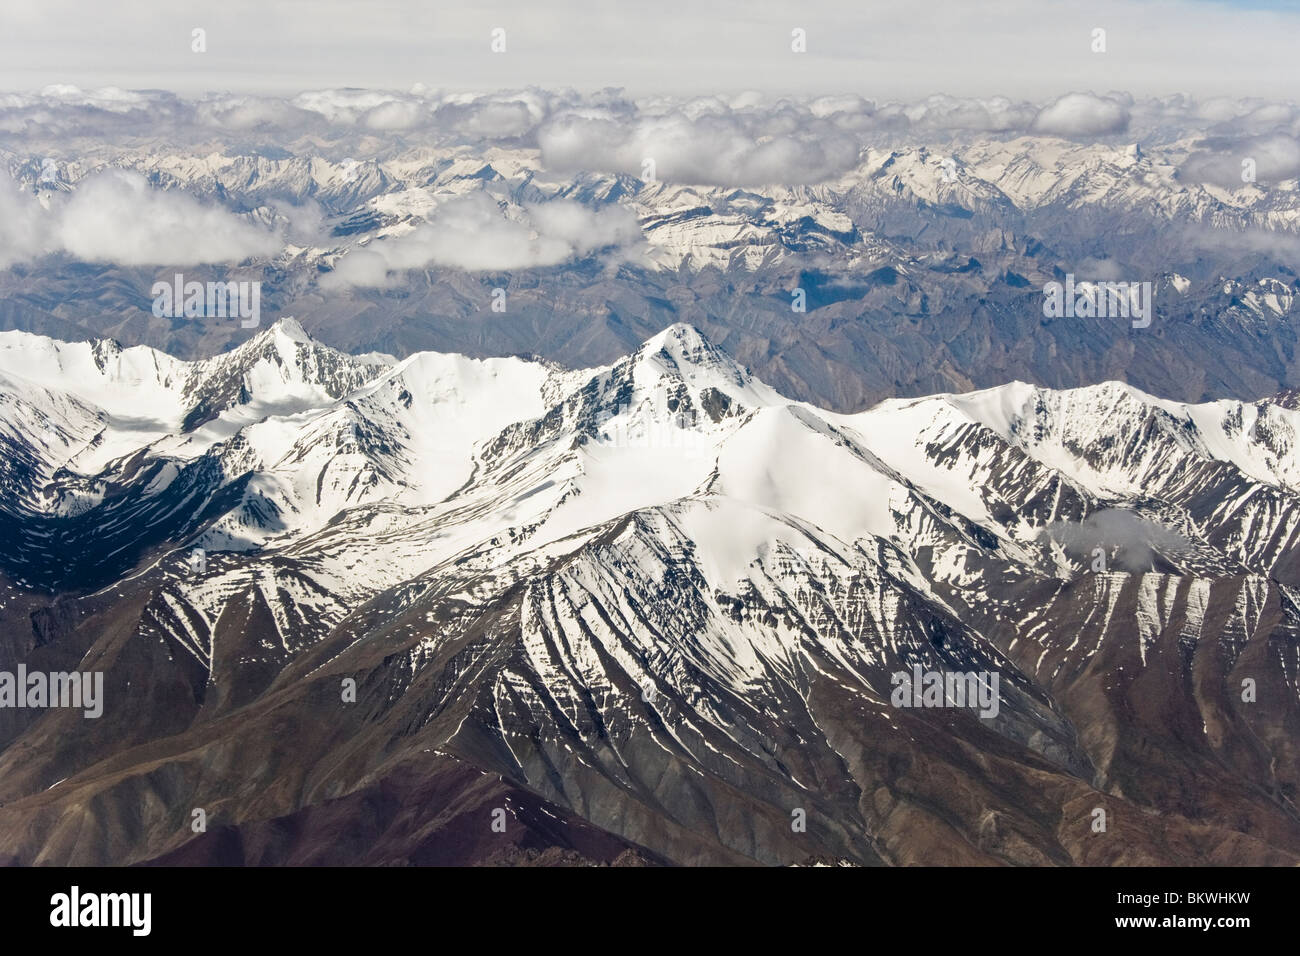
x=651, y=612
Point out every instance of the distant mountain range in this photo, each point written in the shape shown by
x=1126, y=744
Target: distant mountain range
x=921, y=267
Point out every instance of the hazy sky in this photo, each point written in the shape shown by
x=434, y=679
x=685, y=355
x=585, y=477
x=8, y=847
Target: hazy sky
x=881, y=48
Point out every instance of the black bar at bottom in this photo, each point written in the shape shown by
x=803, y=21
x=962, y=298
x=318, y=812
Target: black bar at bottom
x=335, y=906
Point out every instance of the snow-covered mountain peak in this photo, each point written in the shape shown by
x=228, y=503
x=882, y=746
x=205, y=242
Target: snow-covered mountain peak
x=288, y=327
x=683, y=353
x=1112, y=435
x=285, y=337
x=285, y=436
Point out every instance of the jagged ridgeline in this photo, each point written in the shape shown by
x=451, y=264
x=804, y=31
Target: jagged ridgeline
x=918, y=268
x=361, y=609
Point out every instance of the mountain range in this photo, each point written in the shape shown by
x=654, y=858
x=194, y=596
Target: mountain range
x=437, y=608
x=920, y=266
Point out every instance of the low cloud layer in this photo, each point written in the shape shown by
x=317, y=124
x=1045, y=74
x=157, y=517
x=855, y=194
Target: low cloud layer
x=1232, y=161
x=275, y=158
x=716, y=148
x=473, y=234
x=740, y=140
x=1083, y=114
x=115, y=216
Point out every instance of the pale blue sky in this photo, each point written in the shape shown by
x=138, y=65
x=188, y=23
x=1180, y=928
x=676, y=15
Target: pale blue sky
x=1260, y=4
x=878, y=48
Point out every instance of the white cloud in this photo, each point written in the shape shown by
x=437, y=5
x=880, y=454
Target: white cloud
x=343, y=106
x=115, y=216
x=1100, y=270
x=395, y=115
x=492, y=117
x=585, y=230
x=360, y=267
x=1083, y=115
x=472, y=233
x=250, y=112
x=109, y=98
x=712, y=147
x=995, y=114
x=1275, y=158
x=22, y=227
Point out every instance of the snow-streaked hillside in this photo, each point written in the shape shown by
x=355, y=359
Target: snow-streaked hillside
x=658, y=594
x=311, y=433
